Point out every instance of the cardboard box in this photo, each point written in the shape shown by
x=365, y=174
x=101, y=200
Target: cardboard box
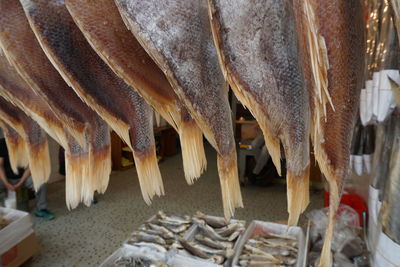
x=21, y=252
x=19, y=228
x=248, y=129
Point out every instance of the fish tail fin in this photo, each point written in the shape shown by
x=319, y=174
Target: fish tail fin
x=76, y=168
x=149, y=174
x=318, y=56
x=274, y=149
x=297, y=194
x=98, y=173
x=16, y=147
x=334, y=196
x=229, y=179
x=39, y=163
x=193, y=155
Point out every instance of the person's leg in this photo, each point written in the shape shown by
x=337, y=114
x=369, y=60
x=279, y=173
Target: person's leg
x=3, y=192
x=41, y=194
x=262, y=160
x=41, y=200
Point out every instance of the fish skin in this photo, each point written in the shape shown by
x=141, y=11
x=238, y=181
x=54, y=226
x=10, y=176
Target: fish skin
x=209, y=242
x=105, y=30
x=35, y=139
x=177, y=36
x=341, y=24
x=17, y=41
x=15, y=90
x=258, y=53
x=191, y=247
x=390, y=207
x=115, y=101
x=216, y=222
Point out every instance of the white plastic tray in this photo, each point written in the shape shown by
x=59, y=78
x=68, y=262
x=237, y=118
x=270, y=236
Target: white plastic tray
x=19, y=228
x=131, y=252
x=264, y=228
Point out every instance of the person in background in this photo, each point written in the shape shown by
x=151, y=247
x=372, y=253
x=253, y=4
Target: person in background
x=11, y=181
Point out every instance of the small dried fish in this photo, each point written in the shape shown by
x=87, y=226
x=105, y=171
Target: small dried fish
x=165, y=232
x=267, y=248
x=209, y=250
x=235, y=235
x=261, y=252
x=210, y=232
x=174, y=219
x=176, y=228
x=190, y=246
x=229, y=229
x=276, y=242
x=212, y=243
x=142, y=236
x=216, y=222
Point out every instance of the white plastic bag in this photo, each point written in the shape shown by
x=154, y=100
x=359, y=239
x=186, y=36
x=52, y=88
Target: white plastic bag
x=369, y=102
x=386, y=102
x=375, y=94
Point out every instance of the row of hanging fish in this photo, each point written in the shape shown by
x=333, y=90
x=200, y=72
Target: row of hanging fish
x=78, y=67
x=377, y=100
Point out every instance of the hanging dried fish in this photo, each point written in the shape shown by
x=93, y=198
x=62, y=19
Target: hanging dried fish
x=105, y=30
x=90, y=134
x=177, y=35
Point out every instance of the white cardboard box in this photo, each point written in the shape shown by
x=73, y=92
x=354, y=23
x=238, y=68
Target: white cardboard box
x=19, y=228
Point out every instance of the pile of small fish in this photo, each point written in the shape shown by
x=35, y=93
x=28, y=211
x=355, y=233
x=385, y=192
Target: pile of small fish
x=215, y=238
x=161, y=233
x=137, y=262
x=271, y=250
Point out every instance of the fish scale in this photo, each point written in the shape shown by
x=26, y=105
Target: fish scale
x=115, y=101
x=258, y=53
x=177, y=36
x=22, y=49
x=35, y=139
x=105, y=30
x=341, y=25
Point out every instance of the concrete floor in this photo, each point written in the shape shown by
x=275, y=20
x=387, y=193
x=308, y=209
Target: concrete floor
x=87, y=236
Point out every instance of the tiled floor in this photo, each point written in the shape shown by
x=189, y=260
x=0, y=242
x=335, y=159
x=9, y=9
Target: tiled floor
x=87, y=236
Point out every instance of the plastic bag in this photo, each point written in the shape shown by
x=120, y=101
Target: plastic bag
x=346, y=242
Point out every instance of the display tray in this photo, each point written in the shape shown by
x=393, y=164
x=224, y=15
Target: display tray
x=260, y=228
x=19, y=228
